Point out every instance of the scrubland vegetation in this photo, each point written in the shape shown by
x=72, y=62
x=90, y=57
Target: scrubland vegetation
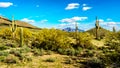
x=51, y=48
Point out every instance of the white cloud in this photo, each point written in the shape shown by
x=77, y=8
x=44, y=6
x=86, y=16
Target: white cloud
x=84, y=5
x=79, y=18
x=5, y=4
x=111, y=23
x=28, y=20
x=43, y=21
x=70, y=22
x=73, y=19
x=37, y=5
x=101, y=20
x=109, y=19
x=72, y=6
x=86, y=8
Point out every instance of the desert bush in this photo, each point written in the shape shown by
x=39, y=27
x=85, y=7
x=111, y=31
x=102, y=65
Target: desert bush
x=38, y=52
x=50, y=59
x=25, y=49
x=88, y=53
x=2, y=58
x=84, y=40
x=3, y=47
x=4, y=53
x=113, y=41
x=49, y=52
x=6, y=33
x=68, y=61
x=11, y=59
x=27, y=36
x=70, y=51
x=51, y=39
x=95, y=63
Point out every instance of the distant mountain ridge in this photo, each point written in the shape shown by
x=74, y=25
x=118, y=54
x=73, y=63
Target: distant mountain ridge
x=69, y=29
x=6, y=22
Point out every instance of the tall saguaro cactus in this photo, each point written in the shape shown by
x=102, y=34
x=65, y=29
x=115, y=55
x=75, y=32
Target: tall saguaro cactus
x=97, y=27
x=114, y=30
x=21, y=36
x=76, y=32
x=13, y=27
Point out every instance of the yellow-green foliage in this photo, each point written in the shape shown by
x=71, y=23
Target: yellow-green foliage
x=27, y=35
x=52, y=39
x=84, y=40
x=113, y=40
x=6, y=33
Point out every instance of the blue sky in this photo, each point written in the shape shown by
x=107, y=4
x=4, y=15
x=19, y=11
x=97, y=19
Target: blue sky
x=63, y=13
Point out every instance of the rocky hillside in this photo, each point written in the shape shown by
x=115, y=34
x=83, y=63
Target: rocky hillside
x=4, y=22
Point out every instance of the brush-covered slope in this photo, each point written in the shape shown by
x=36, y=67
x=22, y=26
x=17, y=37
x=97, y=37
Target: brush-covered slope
x=4, y=22
x=102, y=32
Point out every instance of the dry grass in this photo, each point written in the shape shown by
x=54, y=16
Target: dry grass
x=39, y=62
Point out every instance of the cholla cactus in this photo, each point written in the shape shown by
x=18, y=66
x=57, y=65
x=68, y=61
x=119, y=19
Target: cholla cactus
x=97, y=28
x=21, y=36
x=13, y=27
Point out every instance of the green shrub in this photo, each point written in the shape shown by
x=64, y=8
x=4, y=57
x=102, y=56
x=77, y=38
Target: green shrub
x=2, y=58
x=3, y=53
x=50, y=59
x=84, y=40
x=95, y=63
x=88, y=53
x=51, y=39
x=68, y=61
x=49, y=52
x=3, y=47
x=38, y=52
x=27, y=35
x=25, y=49
x=6, y=33
x=11, y=59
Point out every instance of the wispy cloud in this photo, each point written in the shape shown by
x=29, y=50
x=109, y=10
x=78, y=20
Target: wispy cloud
x=72, y=6
x=5, y=4
x=109, y=19
x=86, y=8
x=28, y=20
x=73, y=19
x=37, y=5
x=70, y=22
x=84, y=5
x=44, y=21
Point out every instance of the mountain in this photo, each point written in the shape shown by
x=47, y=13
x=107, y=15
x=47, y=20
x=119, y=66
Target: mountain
x=4, y=22
x=69, y=29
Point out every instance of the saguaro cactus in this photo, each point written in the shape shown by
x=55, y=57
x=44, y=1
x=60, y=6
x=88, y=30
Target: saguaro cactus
x=21, y=36
x=114, y=30
x=13, y=27
x=76, y=32
x=97, y=28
